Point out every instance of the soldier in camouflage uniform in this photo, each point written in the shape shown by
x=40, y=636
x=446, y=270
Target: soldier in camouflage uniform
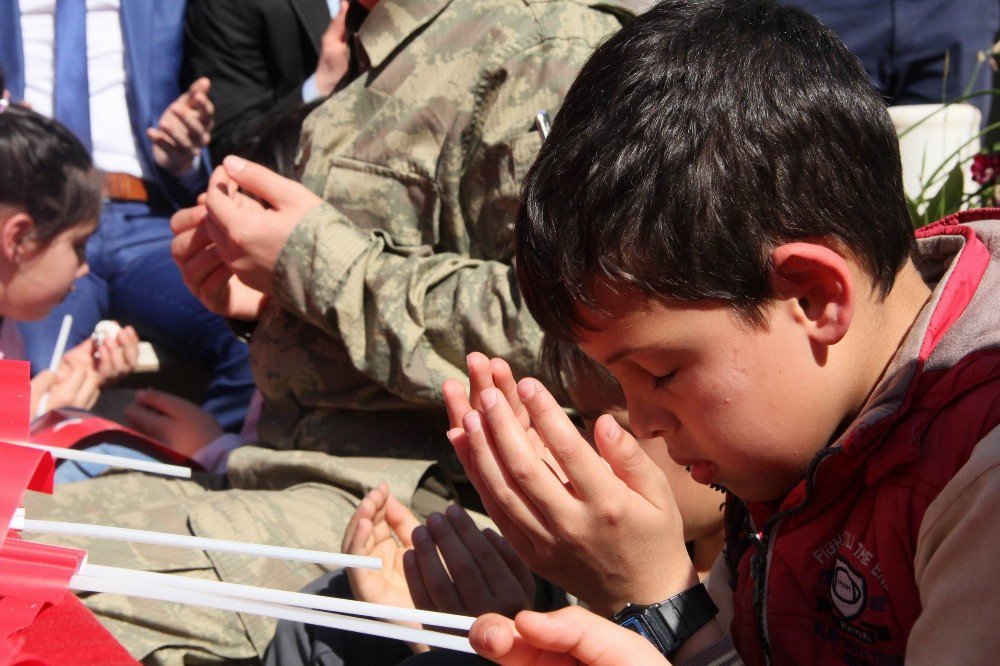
x=377, y=296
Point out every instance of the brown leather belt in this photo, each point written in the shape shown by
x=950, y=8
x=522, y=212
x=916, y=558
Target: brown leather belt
x=123, y=187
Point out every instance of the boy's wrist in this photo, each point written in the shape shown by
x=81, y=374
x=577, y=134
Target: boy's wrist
x=648, y=591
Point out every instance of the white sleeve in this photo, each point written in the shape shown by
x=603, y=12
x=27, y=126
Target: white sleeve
x=214, y=455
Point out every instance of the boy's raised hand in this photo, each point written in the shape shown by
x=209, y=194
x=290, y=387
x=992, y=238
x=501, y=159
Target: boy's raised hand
x=566, y=637
x=456, y=568
x=610, y=535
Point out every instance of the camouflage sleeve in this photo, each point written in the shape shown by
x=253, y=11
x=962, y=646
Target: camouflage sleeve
x=408, y=316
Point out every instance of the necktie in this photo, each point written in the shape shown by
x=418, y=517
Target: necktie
x=71, y=102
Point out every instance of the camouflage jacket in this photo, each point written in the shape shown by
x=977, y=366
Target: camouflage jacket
x=382, y=291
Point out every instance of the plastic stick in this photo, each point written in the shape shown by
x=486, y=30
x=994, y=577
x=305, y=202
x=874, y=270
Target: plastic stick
x=57, y=354
x=84, y=583
x=298, y=599
x=120, y=462
x=200, y=543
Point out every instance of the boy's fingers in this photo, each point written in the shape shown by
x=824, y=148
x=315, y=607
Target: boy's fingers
x=455, y=401
x=528, y=473
x=583, y=467
x=435, y=579
x=491, y=568
x=494, y=471
x=630, y=463
x=503, y=379
x=514, y=563
x=463, y=568
x=495, y=637
x=365, y=511
x=480, y=376
x=401, y=520
x=588, y=637
x=415, y=582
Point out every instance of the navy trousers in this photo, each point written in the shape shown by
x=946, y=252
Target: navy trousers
x=917, y=51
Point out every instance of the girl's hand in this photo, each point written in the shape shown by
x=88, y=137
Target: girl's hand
x=113, y=358
x=76, y=384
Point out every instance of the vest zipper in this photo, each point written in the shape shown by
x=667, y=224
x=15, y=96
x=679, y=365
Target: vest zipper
x=760, y=561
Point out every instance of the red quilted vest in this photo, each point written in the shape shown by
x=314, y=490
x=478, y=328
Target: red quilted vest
x=828, y=576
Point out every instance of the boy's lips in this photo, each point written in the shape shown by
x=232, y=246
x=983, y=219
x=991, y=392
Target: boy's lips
x=703, y=471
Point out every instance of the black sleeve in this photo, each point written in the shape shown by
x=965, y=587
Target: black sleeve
x=230, y=42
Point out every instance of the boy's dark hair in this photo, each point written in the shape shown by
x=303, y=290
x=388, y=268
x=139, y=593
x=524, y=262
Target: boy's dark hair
x=46, y=172
x=691, y=144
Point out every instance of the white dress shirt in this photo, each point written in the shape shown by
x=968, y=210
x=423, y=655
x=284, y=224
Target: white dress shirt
x=115, y=147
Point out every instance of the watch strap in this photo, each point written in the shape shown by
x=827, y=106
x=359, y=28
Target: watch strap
x=674, y=620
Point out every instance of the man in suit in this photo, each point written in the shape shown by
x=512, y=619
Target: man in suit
x=266, y=56
x=101, y=66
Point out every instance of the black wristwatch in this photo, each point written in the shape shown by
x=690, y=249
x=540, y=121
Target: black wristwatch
x=669, y=623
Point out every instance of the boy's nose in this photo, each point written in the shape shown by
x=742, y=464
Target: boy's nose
x=648, y=420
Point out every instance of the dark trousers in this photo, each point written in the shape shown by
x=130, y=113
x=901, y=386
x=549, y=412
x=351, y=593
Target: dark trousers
x=133, y=279
x=917, y=51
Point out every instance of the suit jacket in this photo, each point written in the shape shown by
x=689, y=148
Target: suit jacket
x=153, y=36
x=257, y=53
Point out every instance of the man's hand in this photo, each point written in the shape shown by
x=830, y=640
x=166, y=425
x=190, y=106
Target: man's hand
x=380, y=527
x=247, y=236
x=75, y=384
x=182, y=425
x=205, y=274
x=184, y=129
x=334, y=55
x=563, y=638
x=610, y=535
x=483, y=574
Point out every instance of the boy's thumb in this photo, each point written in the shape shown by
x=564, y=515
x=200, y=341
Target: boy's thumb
x=627, y=459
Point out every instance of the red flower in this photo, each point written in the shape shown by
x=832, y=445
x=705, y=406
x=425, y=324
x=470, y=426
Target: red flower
x=985, y=168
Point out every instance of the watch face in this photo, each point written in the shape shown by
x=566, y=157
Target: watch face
x=636, y=625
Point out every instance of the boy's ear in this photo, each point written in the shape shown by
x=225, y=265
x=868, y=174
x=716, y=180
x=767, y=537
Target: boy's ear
x=819, y=280
x=15, y=236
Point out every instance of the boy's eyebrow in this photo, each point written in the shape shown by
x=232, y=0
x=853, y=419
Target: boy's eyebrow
x=619, y=355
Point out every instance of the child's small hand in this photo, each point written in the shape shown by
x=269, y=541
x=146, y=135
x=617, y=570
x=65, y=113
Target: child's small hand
x=456, y=568
x=381, y=527
x=182, y=425
x=75, y=384
x=563, y=638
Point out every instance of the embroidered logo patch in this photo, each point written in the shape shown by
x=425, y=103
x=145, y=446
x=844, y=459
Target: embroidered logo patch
x=848, y=590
